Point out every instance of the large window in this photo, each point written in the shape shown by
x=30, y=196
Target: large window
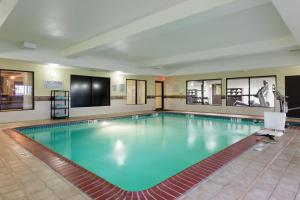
x=87, y=91
x=251, y=91
x=16, y=90
x=136, y=91
x=206, y=92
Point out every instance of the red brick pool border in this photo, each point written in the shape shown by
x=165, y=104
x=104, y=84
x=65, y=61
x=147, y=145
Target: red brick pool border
x=98, y=188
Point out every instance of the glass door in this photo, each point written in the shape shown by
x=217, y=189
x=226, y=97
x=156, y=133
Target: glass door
x=159, y=95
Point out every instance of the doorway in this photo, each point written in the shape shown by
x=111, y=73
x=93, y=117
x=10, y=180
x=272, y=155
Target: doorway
x=159, y=95
x=293, y=95
x=216, y=94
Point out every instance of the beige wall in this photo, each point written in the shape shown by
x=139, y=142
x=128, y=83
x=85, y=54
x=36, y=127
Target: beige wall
x=176, y=85
x=43, y=72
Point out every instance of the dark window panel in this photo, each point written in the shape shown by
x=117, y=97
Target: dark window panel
x=100, y=91
x=87, y=91
x=80, y=91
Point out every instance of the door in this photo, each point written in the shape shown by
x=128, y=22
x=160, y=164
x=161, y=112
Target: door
x=216, y=94
x=159, y=95
x=292, y=93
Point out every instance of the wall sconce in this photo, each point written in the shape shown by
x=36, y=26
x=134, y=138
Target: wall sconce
x=53, y=74
x=119, y=76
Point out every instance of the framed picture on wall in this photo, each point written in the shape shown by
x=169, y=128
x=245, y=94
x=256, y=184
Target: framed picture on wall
x=122, y=88
x=114, y=88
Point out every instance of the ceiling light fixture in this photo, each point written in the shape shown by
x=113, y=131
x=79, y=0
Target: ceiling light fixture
x=29, y=45
x=53, y=65
x=119, y=72
x=53, y=74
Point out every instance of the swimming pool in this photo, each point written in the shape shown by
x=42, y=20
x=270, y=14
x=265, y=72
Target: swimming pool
x=138, y=152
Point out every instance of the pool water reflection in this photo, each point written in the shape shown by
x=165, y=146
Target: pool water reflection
x=138, y=153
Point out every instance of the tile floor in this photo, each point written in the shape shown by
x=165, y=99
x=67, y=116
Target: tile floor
x=22, y=176
x=271, y=174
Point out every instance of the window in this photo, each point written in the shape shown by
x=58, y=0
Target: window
x=205, y=92
x=136, y=91
x=16, y=90
x=251, y=91
x=87, y=91
x=238, y=92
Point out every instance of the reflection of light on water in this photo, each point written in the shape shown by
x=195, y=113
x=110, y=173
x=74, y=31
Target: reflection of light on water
x=191, y=134
x=191, y=139
x=211, y=145
x=104, y=123
x=119, y=153
x=118, y=128
x=211, y=142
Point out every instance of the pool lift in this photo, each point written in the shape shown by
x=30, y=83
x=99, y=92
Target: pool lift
x=271, y=119
x=274, y=122
x=282, y=100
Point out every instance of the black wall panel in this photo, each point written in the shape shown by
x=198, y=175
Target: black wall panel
x=80, y=91
x=87, y=91
x=100, y=91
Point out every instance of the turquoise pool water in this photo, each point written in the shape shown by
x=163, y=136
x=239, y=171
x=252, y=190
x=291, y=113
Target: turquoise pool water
x=138, y=153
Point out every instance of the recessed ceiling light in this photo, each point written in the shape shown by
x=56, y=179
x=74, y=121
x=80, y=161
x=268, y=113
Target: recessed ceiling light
x=53, y=65
x=29, y=45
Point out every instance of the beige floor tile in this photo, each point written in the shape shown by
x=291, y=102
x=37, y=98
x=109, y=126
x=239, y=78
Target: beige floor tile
x=257, y=194
x=298, y=196
x=34, y=186
x=64, y=190
x=9, y=188
x=44, y=194
x=205, y=191
x=223, y=196
x=187, y=198
x=265, y=184
x=219, y=179
x=15, y=195
x=234, y=190
x=81, y=197
x=288, y=184
x=280, y=193
x=6, y=182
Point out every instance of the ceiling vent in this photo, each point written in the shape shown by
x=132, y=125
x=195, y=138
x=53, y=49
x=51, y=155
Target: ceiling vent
x=156, y=67
x=29, y=45
x=295, y=50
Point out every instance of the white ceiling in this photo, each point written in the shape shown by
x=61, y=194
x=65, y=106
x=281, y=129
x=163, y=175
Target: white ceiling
x=192, y=34
x=182, y=37
x=60, y=23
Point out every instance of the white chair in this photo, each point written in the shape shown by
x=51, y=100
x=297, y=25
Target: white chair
x=274, y=124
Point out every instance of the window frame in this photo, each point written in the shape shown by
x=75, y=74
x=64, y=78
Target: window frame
x=249, y=89
x=202, y=91
x=136, y=89
x=32, y=92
